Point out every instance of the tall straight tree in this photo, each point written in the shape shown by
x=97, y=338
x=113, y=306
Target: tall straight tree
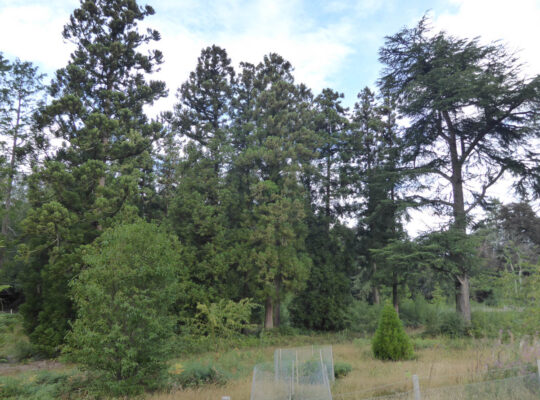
x=23, y=91
x=200, y=120
x=322, y=304
x=279, y=145
x=472, y=115
x=96, y=177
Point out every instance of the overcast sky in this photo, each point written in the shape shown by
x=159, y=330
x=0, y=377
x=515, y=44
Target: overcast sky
x=330, y=43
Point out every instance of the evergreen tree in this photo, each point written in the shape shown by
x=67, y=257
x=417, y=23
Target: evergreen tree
x=278, y=148
x=472, y=115
x=98, y=176
x=390, y=341
x=197, y=211
x=22, y=92
x=376, y=151
x=331, y=246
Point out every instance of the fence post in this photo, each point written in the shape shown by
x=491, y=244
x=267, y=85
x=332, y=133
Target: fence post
x=416, y=387
x=538, y=364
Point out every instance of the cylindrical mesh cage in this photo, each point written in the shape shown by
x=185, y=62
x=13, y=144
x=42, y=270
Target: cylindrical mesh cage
x=296, y=374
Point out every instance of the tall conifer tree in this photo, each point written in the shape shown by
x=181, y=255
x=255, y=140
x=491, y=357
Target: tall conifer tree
x=98, y=174
x=472, y=116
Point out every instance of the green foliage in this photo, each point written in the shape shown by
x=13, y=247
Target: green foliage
x=123, y=298
x=362, y=317
x=447, y=323
x=102, y=173
x=197, y=374
x=490, y=324
x=342, y=369
x=45, y=385
x=324, y=302
x=417, y=312
x=224, y=319
x=390, y=341
x=14, y=345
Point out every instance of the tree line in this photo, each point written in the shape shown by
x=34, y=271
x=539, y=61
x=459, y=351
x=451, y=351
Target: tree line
x=272, y=193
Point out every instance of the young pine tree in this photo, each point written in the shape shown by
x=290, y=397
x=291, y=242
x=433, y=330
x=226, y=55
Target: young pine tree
x=390, y=341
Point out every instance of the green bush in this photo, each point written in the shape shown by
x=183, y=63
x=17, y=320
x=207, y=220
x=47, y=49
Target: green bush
x=23, y=350
x=363, y=317
x=390, y=341
x=341, y=369
x=45, y=385
x=488, y=324
x=123, y=297
x=197, y=374
x=448, y=323
x=417, y=312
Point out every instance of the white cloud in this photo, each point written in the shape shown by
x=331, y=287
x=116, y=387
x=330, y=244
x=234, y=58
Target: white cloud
x=516, y=23
x=33, y=32
x=248, y=31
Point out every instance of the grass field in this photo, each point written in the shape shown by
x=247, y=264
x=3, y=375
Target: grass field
x=439, y=362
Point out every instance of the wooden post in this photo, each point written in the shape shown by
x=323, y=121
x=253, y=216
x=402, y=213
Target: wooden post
x=538, y=365
x=297, y=367
x=416, y=387
x=276, y=366
x=333, y=376
x=292, y=380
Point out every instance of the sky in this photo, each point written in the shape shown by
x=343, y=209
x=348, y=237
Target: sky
x=330, y=43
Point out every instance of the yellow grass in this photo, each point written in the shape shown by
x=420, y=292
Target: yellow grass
x=437, y=366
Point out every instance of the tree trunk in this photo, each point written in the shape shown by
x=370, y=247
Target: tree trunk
x=327, y=196
x=375, y=289
x=463, y=304
x=395, y=298
x=277, y=304
x=11, y=176
x=376, y=295
x=269, y=314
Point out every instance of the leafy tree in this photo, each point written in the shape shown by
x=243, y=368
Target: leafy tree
x=22, y=91
x=472, y=115
x=100, y=174
x=390, y=341
x=123, y=297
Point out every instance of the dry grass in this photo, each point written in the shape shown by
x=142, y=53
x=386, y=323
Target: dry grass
x=439, y=363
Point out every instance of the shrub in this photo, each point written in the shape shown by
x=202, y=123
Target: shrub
x=123, y=299
x=447, y=323
x=363, y=317
x=417, y=312
x=489, y=323
x=341, y=369
x=224, y=319
x=23, y=350
x=196, y=374
x=390, y=341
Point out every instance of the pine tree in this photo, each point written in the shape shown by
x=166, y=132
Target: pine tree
x=98, y=176
x=375, y=151
x=390, y=341
x=22, y=94
x=278, y=148
x=197, y=210
x=323, y=304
